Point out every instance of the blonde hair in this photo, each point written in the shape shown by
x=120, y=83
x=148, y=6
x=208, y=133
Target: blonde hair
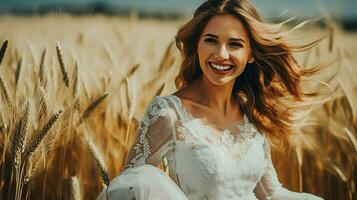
x=269, y=83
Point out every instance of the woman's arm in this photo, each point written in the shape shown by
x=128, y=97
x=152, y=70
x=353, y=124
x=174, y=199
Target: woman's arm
x=154, y=136
x=140, y=179
x=270, y=188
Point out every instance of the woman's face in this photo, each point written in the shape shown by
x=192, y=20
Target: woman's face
x=224, y=49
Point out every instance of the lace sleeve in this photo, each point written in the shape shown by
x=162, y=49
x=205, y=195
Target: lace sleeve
x=154, y=135
x=270, y=188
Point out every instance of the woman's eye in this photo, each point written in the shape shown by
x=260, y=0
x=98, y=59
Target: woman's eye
x=210, y=41
x=235, y=45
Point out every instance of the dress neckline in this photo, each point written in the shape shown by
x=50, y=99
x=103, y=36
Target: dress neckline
x=191, y=117
x=246, y=129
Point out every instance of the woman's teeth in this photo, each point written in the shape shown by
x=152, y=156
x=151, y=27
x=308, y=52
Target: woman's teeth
x=221, y=67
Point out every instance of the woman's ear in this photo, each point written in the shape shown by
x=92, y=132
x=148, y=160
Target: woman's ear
x=251, y=60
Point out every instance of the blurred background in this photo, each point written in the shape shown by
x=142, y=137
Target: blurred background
x=76, y=76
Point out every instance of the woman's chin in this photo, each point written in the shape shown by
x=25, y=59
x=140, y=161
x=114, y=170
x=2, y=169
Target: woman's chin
x=222, y=81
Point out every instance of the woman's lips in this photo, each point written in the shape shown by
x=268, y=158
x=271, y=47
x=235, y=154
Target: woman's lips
x=220, y=68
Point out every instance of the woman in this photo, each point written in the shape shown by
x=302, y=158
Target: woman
x=237, y=76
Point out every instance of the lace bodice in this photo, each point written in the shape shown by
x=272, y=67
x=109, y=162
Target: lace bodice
x=233, y=164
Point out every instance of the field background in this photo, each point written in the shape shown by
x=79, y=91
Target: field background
x=65, y=138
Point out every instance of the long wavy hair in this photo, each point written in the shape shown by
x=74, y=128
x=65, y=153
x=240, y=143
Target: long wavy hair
x=267, y=86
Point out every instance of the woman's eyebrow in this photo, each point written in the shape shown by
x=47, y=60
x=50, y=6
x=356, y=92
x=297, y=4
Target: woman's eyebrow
x=237, y=39
x=211, y=35
x=232, y=39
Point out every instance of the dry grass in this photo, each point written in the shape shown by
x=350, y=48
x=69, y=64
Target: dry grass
x=55, y=104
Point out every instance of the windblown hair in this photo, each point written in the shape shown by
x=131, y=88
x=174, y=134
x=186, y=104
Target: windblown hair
x=267, y=86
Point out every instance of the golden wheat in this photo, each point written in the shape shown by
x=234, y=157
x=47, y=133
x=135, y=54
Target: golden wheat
x=98, y=159
x=3, y=50
x=45, y=107
x=61, y=63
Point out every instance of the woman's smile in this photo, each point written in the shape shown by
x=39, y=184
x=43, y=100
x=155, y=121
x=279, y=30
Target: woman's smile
x=221, y=68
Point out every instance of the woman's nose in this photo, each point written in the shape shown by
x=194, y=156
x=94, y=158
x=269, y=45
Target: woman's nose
x=222, y=52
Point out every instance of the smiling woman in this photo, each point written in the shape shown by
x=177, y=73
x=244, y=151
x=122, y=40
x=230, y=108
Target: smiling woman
x=236, y=81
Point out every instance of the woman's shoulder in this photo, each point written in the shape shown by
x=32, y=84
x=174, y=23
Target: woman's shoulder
x=172, y=100
x=163, y=102
x=164, y=106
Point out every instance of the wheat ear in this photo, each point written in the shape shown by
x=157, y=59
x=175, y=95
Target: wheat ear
x=127, y=91
x=75, y=188
x=92, y=106
x=42, y=134
x=130, y=105
x=18, y=71
x=3, y=50
x=166, y=60
x=42, y=64
x=75, y=87
x=61, y=63
x=98, y=159
x=4, y=90
x=20, y=134
x=42, y=104
x=159, y=91
x=133, y=70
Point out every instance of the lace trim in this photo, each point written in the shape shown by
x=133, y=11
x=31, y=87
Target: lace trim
x=193, y=134
x=152, y=113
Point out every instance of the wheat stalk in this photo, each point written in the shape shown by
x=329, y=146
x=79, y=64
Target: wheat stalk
x=133, y=70
x=18, y=72
x=92, y=106
x=2, y=123
x=75, y=87
x=127, y=91
x=85, y=89
x=129, y=105
x=167, y=60
x=3, y=50
x=159, y=91
x=42, y=65
x=24, y=126
x=104, y=83
x=20, y=133
x=4, y=90
x=61, y=63
x=98, y=159
x=132, y=100
x=42, y=134
x=75, y=188
x=130, y=73
x=109, y=54
x=42, y=104
x=28, y=173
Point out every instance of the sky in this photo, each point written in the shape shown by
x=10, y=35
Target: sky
x=269, y=8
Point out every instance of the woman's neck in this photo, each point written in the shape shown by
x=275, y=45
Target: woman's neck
x=217, y=97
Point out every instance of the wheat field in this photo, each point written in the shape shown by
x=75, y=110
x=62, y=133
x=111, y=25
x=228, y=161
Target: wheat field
x=73, y=90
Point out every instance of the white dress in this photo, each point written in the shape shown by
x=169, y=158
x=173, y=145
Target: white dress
x=235, y=164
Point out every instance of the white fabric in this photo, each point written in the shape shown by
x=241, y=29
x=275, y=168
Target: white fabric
x=137, y=183
x=203, y=164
